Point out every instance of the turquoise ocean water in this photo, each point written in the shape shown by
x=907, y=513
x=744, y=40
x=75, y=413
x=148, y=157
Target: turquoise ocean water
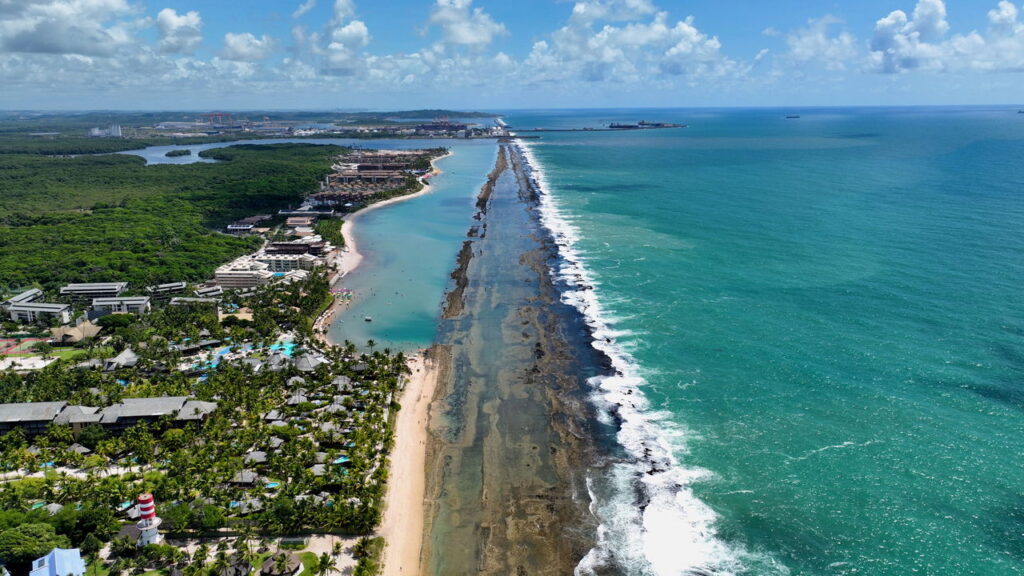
x=820, y=328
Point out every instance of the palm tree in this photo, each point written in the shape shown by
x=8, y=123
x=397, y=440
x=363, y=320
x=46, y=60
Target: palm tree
x=325, y=565
x=281, y=563
x=371, y=343
x=220, y=563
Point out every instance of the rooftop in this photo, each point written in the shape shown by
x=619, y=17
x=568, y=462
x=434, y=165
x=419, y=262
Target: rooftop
x=120, y=300
x=26, y=296
x=144, y=407
x=38, y=307
x=166, y=287
x=94, y=286
x=30, y=411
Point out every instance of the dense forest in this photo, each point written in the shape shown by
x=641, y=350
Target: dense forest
x=111, y=217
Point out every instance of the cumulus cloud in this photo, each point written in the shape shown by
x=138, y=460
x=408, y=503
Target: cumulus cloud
x=906, y=43
x=247, y=48
x=343, y=10
x=304, y=8
x=1003, y=20
x=586, y=12
x=178, y=33
x=919, y=42
x=461, y=24
x=642, y=48
x=814, y=43
x=343, y=54
x=84, y=27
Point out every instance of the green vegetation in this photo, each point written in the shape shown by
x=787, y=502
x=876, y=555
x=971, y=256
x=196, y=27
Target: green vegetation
x=324, y=455
x=330, y=230
x=102, y=218
x=369, y=553
x=23, y=543
x=179, y=152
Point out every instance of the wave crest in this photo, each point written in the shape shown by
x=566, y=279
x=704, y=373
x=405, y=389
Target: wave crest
x=650, y=520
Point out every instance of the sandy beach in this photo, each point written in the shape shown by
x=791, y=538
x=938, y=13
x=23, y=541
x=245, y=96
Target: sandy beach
x=402, y=527
x=403, y=520
x=350, y=258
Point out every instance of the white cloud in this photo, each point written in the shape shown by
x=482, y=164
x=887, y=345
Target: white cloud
x=1003, y=20
x=929, y=21
x=247, y=48
x=179, y=33
x=86, y=27
x=813, y=43
x=903, y=43
x=461, y=24
x=640, y=50
x=343, y=55
x=586, y=12
x=304, y=8
x=343, y=10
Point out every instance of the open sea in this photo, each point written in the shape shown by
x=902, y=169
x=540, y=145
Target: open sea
x=818, y=325
x=819, y=329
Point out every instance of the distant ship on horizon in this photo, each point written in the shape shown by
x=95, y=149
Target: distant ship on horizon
x=792, y=117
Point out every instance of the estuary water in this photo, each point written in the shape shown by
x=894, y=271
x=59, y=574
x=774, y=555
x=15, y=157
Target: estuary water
x=409, y=251
x=408, y=248
x=819, y=328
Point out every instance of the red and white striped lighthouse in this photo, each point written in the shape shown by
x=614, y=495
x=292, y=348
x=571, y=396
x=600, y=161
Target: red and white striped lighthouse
x=149, y=522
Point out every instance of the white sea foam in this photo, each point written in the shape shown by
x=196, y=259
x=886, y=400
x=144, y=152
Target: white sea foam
x=651, y=523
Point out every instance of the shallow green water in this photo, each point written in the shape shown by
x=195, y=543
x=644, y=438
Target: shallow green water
x=409, y=251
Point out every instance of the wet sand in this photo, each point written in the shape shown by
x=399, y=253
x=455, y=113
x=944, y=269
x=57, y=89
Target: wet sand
x=510, y=428
x=402, y=524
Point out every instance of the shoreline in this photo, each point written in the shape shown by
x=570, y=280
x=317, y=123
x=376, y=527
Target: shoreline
x=403, y=518
x=349, y=257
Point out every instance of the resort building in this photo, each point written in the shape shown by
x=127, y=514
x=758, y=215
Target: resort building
x=306, y=212
x=245, y=272
x=208, y=291
x=126, y=359
x=313, y=245
x=287, y=262
x=186, y=301
x=34, y=417
x=300, y=221
x=75, y=334
x=94, y=290
x=237, y=228
x=164, y=291
x=32, y=312
x=25, y=297
x=59, y=562
x=130, y=305
x=387, y=177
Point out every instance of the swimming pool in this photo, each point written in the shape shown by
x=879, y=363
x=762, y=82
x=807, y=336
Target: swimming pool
x=286, y=347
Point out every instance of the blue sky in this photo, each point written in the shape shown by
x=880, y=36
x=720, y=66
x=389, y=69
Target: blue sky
x=487, y=54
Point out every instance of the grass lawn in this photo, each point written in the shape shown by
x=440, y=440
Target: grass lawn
x=309, y=561
x=62, y=353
